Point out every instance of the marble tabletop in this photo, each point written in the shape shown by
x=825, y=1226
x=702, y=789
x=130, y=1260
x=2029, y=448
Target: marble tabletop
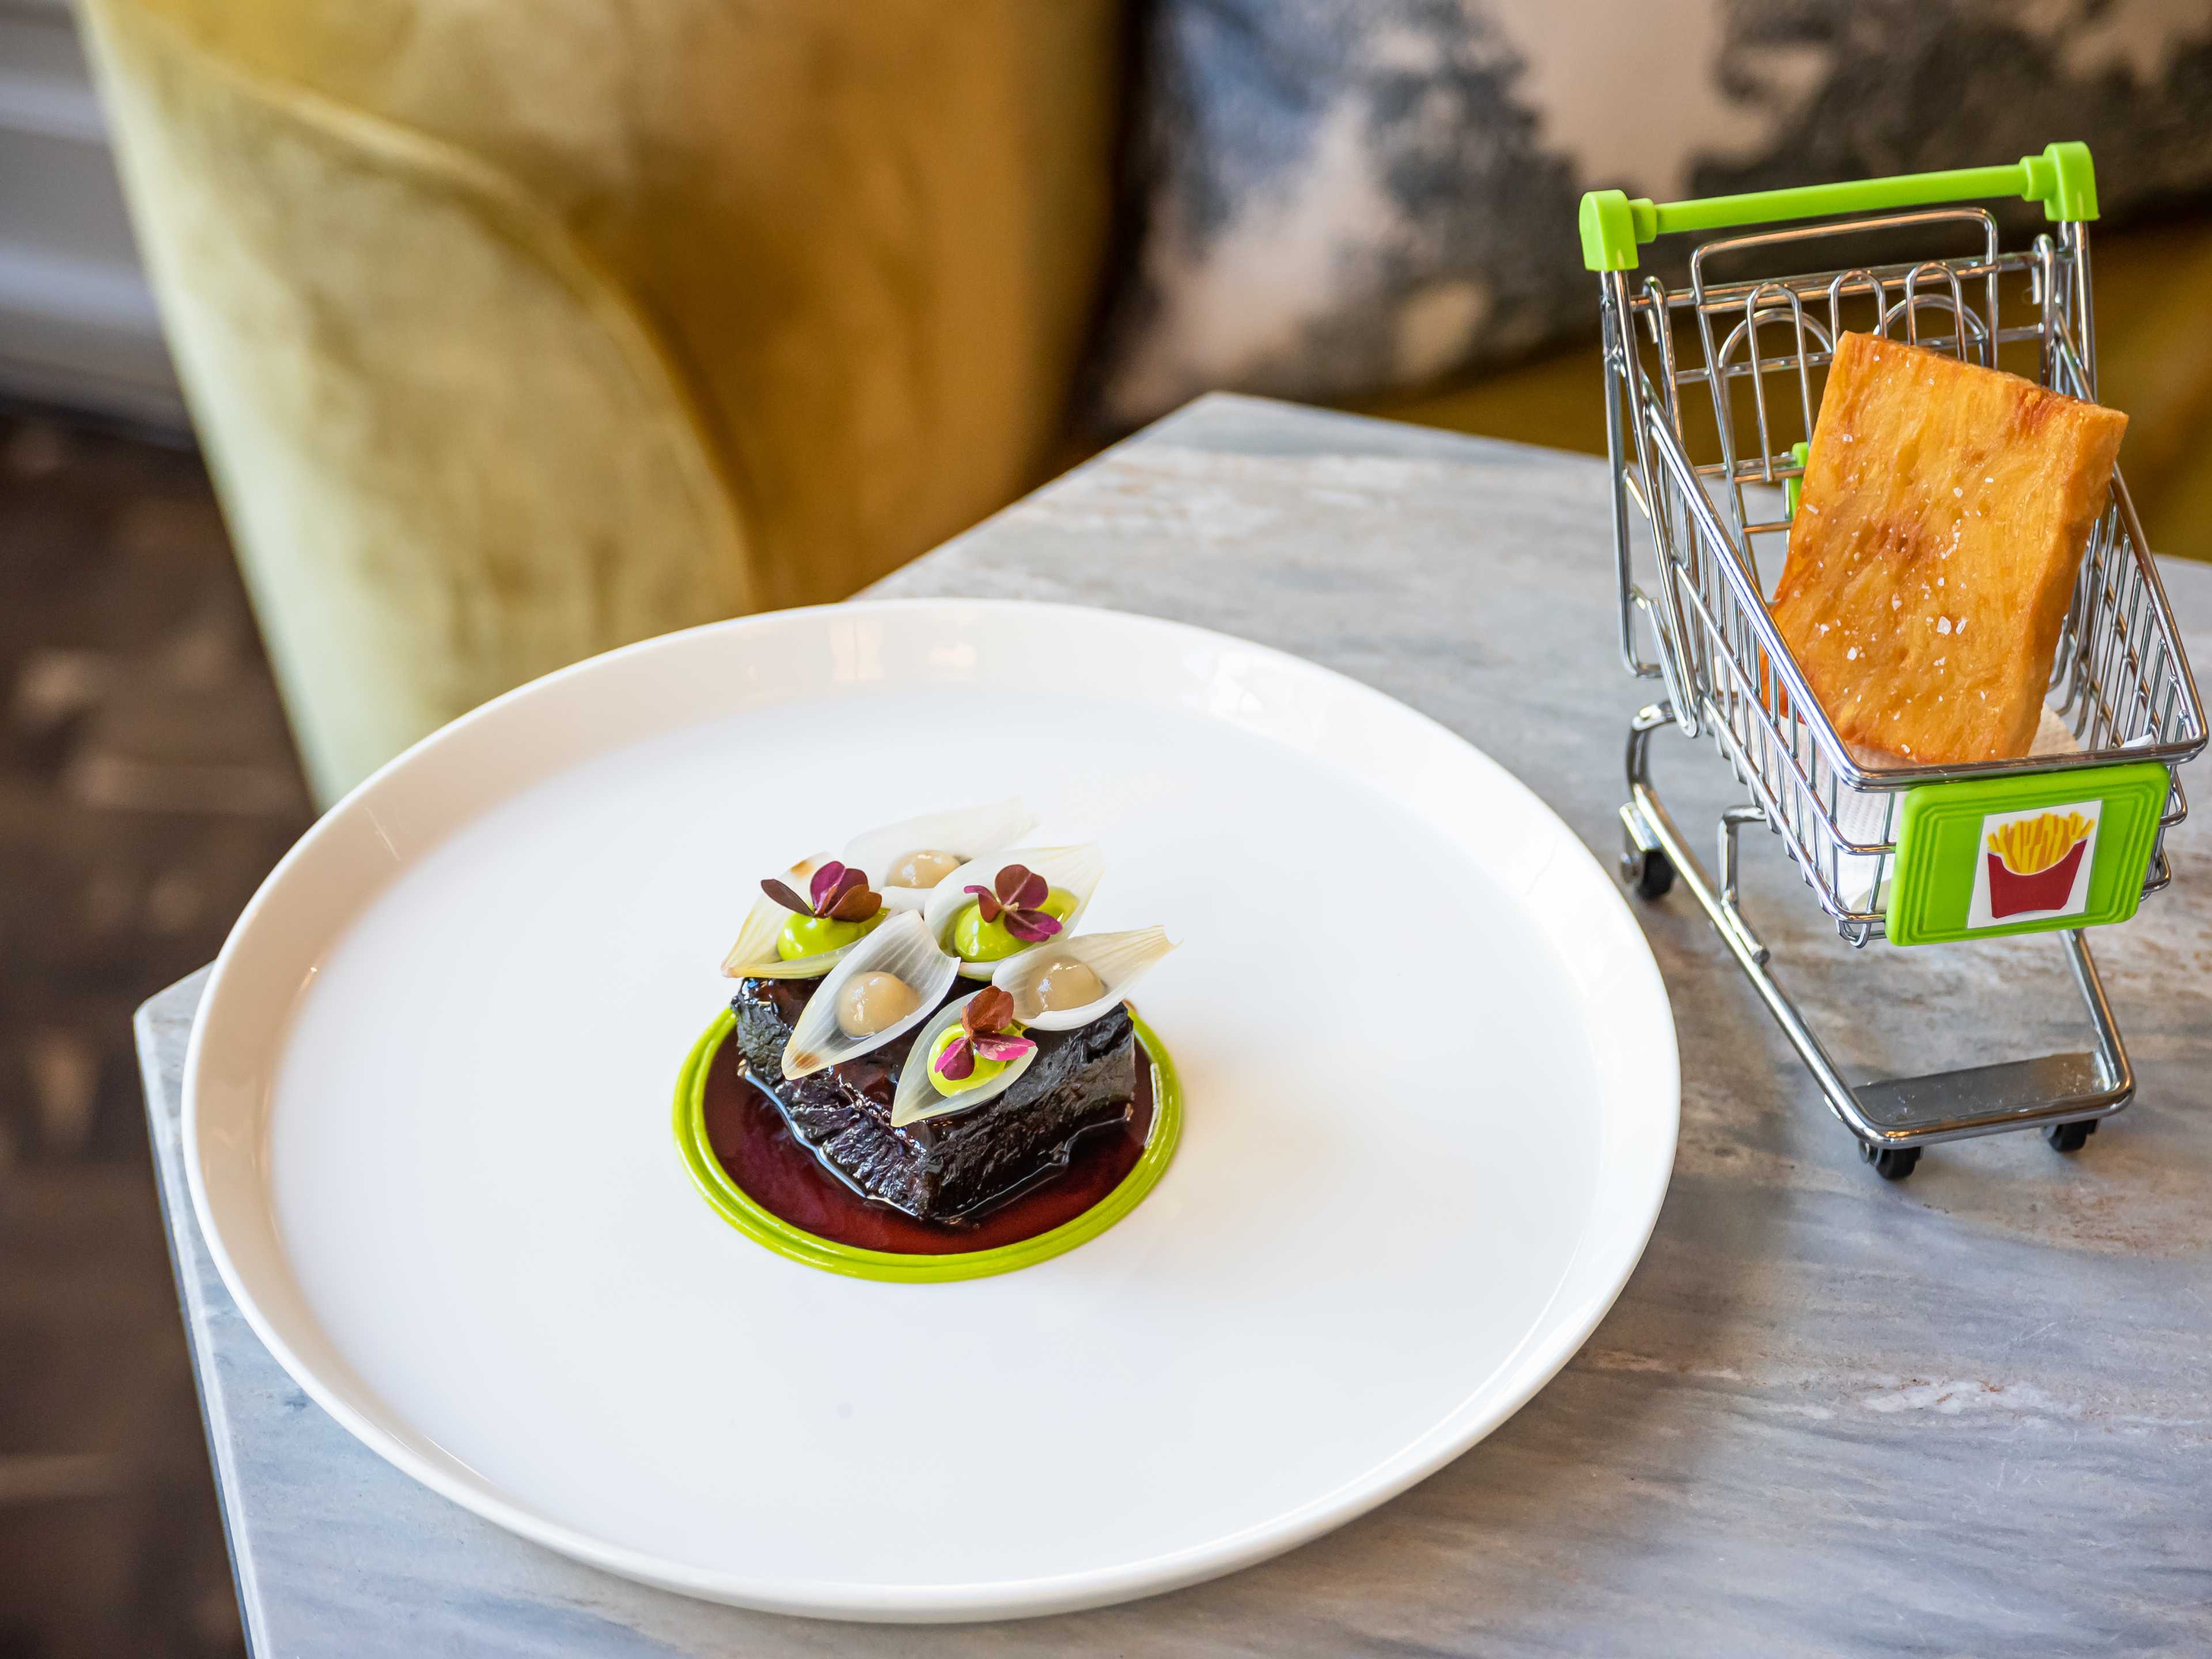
x=1965, y=1414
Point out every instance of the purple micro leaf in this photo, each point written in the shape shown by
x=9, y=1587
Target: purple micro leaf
x=1010, y=881
x=987, y=903
x=825, y=885
x=1003, y=1048
x=1032, y=893
x=958, y=1062
x=1032, y=925
x=991, y=1009
x=787, y=898
x=857, y=902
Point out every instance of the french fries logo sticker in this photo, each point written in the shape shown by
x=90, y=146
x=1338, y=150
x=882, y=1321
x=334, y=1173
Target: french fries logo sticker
x=2033, y=865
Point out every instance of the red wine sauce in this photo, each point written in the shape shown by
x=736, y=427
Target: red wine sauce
x=776, y=1169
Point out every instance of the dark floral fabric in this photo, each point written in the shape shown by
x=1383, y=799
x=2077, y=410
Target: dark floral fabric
x=1346, y=196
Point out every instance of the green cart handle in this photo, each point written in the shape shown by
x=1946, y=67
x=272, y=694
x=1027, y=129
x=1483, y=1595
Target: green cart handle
x=1612, y=224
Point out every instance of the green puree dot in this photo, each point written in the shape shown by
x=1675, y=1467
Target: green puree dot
x=984, y=1072
x=978, y=940
x=812, y=936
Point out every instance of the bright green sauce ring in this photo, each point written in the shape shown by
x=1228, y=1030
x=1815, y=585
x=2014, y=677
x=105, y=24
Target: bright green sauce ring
x=736, y=1206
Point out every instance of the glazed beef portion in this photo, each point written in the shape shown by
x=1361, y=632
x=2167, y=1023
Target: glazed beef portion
x=944, y=1167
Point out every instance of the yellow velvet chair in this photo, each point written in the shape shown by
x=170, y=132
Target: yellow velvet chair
x=514, y=333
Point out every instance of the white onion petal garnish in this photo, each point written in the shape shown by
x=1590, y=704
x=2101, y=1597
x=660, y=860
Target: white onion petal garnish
x=1119, y=960
x=901, y=947
x=1075, y=870
x=754, y=956
x=918, y=1099
x=974, y=832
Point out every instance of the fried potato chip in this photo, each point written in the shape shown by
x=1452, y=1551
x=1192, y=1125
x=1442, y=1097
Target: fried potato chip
x=1942, y=519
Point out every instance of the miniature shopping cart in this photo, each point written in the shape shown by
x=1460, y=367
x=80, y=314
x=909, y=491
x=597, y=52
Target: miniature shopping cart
x=1710, y=407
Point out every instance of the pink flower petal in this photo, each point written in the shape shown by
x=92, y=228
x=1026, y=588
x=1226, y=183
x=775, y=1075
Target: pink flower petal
x=825, y=886
x=1032, y=925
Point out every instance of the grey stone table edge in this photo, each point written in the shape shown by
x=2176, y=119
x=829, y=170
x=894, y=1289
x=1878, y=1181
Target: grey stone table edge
x=1509, y=1550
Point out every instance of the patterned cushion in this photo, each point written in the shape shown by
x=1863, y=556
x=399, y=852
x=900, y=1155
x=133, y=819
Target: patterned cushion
x=1344, y=196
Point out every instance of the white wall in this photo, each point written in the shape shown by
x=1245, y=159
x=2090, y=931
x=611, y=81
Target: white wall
x=77, y=326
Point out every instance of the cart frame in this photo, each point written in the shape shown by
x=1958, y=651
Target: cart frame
x=1702, y=417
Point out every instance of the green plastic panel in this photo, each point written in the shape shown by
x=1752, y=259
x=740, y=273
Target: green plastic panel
x=1794, y=487
x=2082, y=839
x=2063, y=179
x=736, y=1206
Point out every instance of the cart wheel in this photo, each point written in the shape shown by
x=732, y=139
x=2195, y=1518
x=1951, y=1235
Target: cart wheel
x=1891, y=1162
x=1651, y=875
x=2069, y=1137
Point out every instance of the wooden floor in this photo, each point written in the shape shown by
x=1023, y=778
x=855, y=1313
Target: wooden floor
x=146, y=786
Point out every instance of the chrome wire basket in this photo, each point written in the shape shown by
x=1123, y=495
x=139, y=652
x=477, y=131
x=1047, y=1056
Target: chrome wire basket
x=1711, y=406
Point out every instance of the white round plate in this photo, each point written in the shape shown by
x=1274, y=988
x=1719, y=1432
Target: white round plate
x=1430, y=1106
